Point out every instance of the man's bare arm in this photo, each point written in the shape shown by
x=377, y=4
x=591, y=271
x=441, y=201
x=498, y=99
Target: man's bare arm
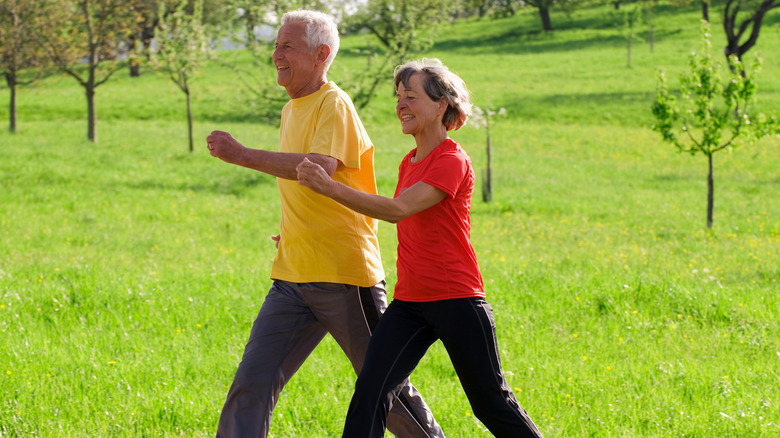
x=280, y=164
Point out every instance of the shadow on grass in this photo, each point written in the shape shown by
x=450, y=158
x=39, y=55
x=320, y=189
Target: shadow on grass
x=675, y=177
x=270, y=118
x=522, y=39
x=238, y=186
x=519, y=42
x=625, y=108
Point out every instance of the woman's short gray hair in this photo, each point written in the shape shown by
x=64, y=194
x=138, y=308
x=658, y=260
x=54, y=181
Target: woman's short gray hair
x=320, y=30
x=439, y=83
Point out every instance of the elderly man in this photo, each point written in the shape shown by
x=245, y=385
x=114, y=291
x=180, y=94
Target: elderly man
x=327, y=274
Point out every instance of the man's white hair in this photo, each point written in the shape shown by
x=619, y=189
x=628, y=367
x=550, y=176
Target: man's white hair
x=320, y=30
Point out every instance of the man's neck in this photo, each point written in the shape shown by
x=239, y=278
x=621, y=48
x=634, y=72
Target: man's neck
x=310, y=88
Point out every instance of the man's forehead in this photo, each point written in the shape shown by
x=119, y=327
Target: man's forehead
x=294, y=30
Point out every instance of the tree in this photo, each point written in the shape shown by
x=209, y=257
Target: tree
x=404, y=28
x=544, y=12
x=182, y=48
x=544, y=7
x=631, y=17
x=250, y=15
x=480, y=118
x=247, y=16
x=18, y=47
x=751, y=13
x=469, y=8
x=505, y=8
x=649, y=7
x=713, y=114
x=85, y=39
x=142, y=33
x=705, y=7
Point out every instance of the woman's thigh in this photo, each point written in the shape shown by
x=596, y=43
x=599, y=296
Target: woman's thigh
x=400, y=340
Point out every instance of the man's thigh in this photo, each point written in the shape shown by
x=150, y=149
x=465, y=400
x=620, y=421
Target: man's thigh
x=284, y=333
x=349, y=313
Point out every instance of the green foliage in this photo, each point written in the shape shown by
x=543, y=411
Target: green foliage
x=91, y=30
x=84, y=39
x=713, y=113
x=19, y=50
x=183, y=45
x=21, y=60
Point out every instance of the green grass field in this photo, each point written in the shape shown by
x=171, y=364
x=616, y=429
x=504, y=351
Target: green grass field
x=131, y=270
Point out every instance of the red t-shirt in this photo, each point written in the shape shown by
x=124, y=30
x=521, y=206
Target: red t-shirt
x=436, y=260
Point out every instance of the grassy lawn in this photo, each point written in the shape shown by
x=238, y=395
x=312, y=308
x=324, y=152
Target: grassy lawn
x=131, y=270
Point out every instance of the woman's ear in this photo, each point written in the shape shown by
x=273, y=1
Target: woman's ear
x=443, y=104
x=442, y=111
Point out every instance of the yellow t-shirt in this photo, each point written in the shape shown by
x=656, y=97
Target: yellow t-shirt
x=321, y=240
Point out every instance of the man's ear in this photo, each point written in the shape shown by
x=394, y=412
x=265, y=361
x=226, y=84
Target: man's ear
x=322, y=53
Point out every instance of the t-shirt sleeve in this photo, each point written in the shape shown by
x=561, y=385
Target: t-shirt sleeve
x=447, y=173
x=340, y=134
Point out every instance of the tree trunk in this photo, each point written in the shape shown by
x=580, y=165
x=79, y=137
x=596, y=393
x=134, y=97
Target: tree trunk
x=705, y=10
x=10, y=79
x=12, y=108
x=135, y=68
x=487, y=188
x=544, y=13
x=91, y=115
x=735, y=31
x=710, y=193
x=651, y=37
x=628, y=46
x=189, y=118
x=135, y=64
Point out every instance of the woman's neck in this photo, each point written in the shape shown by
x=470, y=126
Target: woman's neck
x=427, y=142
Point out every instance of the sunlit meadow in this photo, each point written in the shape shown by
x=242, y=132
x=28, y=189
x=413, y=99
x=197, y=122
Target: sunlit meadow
x=131, y=270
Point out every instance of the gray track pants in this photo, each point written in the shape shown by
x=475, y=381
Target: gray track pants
x=292, y=321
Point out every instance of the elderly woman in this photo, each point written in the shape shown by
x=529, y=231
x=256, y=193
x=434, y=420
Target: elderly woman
x=439, y=293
